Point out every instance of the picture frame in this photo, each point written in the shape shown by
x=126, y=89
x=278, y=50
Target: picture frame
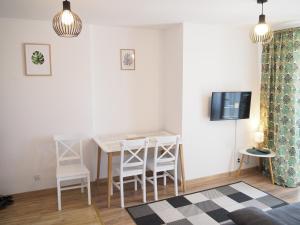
x=127, y=59
x=37, y=59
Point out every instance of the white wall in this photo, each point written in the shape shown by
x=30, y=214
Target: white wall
x=88, y=93
x=34, y=108
x=123, y=99
x=172, y=78
x=215, y=58
x=176, y=71
x=126, y=101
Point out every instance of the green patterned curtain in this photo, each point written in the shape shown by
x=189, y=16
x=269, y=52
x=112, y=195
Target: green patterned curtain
x=280, y=104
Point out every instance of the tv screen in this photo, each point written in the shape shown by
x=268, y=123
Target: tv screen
x=230, y=105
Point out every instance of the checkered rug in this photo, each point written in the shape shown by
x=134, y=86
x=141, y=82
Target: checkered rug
x=204, y=208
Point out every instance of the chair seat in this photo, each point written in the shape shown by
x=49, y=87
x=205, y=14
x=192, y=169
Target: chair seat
x=129, y=171
x=162, y=166
x=73, y=170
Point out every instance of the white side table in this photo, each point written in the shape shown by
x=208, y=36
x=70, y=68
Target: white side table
x=269, y=156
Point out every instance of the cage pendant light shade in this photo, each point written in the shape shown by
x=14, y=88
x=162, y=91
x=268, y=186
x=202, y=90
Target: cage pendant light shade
x=263, y=37
x=67, y=23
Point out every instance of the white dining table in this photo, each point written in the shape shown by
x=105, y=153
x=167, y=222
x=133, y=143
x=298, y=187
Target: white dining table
x=110, y=145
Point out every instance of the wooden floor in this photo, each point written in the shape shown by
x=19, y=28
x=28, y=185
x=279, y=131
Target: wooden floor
x=39, y=208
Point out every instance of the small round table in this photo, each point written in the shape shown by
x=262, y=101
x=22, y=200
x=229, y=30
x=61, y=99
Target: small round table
x=244, y=152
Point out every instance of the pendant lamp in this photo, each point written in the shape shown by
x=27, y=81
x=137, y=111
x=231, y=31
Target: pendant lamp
x=66, y=23
x=261, y=32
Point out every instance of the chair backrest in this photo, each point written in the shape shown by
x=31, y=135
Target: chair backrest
x=136, y=154
x=68, y=149
x=166, y=149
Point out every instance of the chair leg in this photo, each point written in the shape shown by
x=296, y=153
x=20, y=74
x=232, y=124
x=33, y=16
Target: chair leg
x=112, y=188
x=58, y=195
x=82, y=183
x=89, y=189
x=135, y=183
x=122, y=192
x=155, y=185
x=165, y=178
x=176, y=182
x=144, y=188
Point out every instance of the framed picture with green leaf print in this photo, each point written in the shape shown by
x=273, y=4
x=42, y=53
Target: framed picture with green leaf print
x=37, y=59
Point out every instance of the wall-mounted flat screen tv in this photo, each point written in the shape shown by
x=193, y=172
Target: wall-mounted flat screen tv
x=230, y=105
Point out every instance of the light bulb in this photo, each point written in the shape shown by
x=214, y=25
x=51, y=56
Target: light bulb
x=67, y=17
x=259, y=137
x=261, y=29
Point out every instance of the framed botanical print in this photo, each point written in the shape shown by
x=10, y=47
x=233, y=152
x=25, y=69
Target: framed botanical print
x=37, y=59
x=127, y=57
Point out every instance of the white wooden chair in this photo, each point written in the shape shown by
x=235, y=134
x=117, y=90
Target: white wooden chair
x=70, y=165
x=132, y=164
x=165, y=159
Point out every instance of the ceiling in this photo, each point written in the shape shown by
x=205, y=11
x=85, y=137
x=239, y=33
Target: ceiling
x=156, y=12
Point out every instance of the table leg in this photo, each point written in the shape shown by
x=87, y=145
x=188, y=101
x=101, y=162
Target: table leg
x=260, y=163
x=98, y=164
x=240, y=167
x=182, y=168
x=271, y=170
x=109, y=178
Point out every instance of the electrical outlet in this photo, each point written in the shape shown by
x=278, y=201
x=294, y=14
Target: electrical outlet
x=36, y=178
x=238, y=160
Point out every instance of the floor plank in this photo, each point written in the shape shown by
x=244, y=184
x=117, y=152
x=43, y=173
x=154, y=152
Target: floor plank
x=40, y=207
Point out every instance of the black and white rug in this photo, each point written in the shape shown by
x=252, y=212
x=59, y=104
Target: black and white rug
x=207, y=207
